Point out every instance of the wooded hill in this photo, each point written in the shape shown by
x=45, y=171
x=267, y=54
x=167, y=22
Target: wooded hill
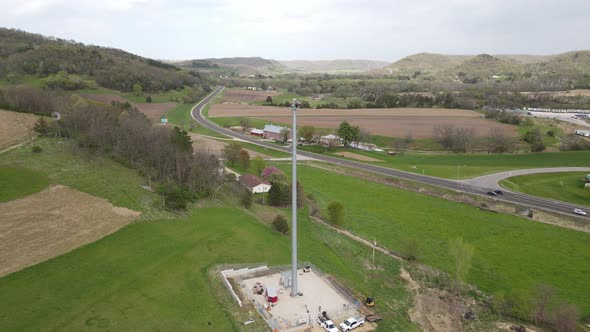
x=238, y=65
x=567, y=70
x=23, y=53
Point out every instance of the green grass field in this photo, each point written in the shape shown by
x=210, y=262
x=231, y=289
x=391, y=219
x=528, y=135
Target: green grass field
x=18, y=182
x=510, y=252
x=567, y=187
x=181, y=116
x=463, y=166
x=154, y=274
x=62, y=163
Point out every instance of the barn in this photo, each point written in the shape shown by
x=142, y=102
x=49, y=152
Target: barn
x=275, y=132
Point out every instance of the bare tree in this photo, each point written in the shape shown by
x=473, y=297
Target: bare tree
x=245, y=124
x=540, y=301
x=566, y=318
x=455, y=139
x=498, y=142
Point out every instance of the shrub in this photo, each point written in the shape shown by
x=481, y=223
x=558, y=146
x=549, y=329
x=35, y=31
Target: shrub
x=336, y=213
x=36, y=148
x=280, y=224
x=412, y=250
x=246, y=199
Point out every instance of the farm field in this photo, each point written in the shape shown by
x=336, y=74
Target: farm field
x=567, y=187
x=18, y=182
x=510, y=252
x=465, y=166
x=15, y=128
x=396, y=122
x=242, y=95
x=53, y=222
x=216, y=146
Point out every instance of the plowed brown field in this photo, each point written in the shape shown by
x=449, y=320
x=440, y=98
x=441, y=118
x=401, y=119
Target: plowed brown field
x=53, y=222
x=393, y=122
x=243, y=95
x=15, y=128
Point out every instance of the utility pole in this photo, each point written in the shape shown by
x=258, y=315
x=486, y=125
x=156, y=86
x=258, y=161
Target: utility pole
x=374, y=245
x=294, y=108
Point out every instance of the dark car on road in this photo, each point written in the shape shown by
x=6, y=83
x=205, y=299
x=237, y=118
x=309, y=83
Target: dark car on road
x=492, y=193
x=499, y=192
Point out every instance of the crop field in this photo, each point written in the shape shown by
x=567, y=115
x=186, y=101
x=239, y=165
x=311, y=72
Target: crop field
x=510, y=252
x=53, y=222
x=243, y=95
x=153, y=111
x=396, y=122
x=15, y=128
x=568, y=187
x=216, y=146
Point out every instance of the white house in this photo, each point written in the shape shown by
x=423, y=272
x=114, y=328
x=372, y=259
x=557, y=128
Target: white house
x=585, y=133
x=255, y=184
x=331, y=140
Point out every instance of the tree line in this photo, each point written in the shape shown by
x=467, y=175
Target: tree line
x=163, y=154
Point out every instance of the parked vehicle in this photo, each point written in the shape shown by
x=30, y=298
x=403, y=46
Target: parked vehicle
x=351, y=324
x=326, y=323
x=579, y=212
x=492, y=193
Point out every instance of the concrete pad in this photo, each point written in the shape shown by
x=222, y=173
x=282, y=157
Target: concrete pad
x=300, y=312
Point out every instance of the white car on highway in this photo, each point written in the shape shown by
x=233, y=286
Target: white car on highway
x=579, y=212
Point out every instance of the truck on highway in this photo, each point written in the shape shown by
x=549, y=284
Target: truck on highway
x=326, y=323
x=351, y=324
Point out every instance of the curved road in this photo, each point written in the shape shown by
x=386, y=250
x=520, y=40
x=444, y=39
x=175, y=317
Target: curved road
x=510, y=197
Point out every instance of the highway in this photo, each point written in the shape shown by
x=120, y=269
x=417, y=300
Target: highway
x=528, y=201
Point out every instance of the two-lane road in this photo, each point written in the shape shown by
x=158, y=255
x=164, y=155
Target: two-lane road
x=511, y=197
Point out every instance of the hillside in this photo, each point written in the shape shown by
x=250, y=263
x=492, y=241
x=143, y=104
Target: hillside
x=424, y=63
x=484, y=66
x=333, y=65
x=570, y=63
x=27, y=54
x=241, y=65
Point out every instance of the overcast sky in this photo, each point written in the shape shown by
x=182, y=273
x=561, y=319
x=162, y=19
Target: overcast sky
x=309, y=29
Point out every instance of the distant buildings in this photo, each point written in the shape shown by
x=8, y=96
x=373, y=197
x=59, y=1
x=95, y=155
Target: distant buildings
x=585, y=133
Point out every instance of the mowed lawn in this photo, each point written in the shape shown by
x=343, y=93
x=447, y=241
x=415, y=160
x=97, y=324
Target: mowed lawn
x=510, y=252
x=568, y=187
x=463, y=166
x=16, y=182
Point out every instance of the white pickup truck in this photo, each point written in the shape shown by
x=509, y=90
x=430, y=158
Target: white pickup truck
x=351, y=324
x=327, y=323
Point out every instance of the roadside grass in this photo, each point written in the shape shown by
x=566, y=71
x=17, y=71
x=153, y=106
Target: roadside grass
x=181, y=116
x=18, y=182
x=567, y=186
x=510, y=252
x=261, y=149
x=155, y=275
x=206, y=131
x=62, y=163
x=468, y=165
x=234, y=121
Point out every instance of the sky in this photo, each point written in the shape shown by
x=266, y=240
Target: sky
x=309, y=29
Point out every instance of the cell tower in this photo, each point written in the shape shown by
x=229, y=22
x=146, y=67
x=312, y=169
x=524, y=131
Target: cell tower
x=294, y=109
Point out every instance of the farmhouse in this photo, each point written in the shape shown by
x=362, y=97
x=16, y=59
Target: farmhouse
x=331, y=140
x=585, y=133
x=254, y=184
x=275, y=132
x=257, y=132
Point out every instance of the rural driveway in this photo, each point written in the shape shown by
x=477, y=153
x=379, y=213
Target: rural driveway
x=491, y=181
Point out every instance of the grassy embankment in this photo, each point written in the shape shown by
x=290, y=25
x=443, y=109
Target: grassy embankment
x=156, y=274
x=568, y=187
x=63, y=163
x=510, y=252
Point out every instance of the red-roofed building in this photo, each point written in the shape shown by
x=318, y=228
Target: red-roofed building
x=255, y=184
